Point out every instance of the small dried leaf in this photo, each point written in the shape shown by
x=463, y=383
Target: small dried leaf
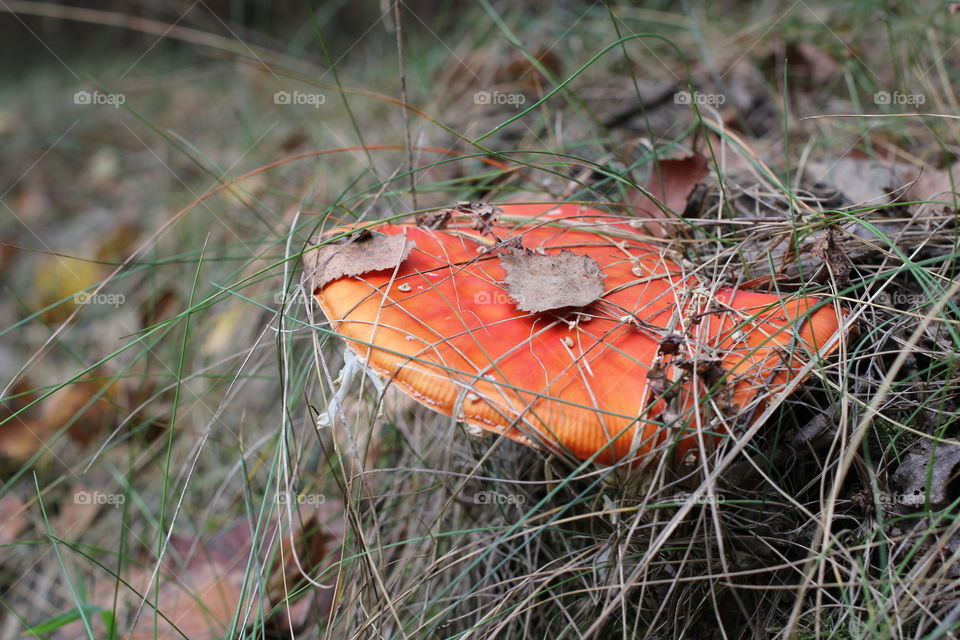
x=201, y=587
x=56, y=278
x=670, y=343
x=660, y=385
x=710, y=370
x=484, y=215
x=936, y=185
x=520, y=68
x=78, y=512
x=90, y=406
x=671, y=184
x=435, y=219
x=861, y=180
x=312, y=549
x=158, y=306
x=820, y=65
x=13, y=519
x=361, y=253
x=833, y=255
x=546, y=282
x=23, y=437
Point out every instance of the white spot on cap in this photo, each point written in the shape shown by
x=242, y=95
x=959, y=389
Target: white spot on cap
x=406, y=288
x=472, y=397
x=473, y=430
x=568, y=341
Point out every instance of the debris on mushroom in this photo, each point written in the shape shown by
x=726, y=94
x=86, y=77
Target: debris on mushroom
x=353, y=255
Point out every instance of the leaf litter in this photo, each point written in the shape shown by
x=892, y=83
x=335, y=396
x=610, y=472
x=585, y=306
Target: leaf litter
x=540, y=283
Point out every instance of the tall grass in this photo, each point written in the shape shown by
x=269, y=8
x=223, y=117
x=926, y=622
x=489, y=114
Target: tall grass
x=217, y=365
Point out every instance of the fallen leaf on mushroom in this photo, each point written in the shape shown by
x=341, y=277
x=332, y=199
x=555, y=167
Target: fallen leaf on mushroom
x=542, y=283
x=358, y=253
x=641, y=361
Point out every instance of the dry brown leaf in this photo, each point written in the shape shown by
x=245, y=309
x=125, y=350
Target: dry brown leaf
x=484, y=215
x=13, y=518
x=938, y=463
x=80, y=509
x=8, y=254
x=159, y=306
x=670, y=184
x=97, y=411
x=807, y=66
x=200, y=603
x=435, y=219
x=202, y=585
x=546, y=282
x=819, y=65
x=30, y=431
x=833, y=256
x=861, y=180
x=56, y=278
x=358, y=254
x=313, y=545
x=202, y=582
x=115, y=244
x=22, y=437
x=937, y=185
x=520, y=69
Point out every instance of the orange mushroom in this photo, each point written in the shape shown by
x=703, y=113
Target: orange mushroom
x=658, y=357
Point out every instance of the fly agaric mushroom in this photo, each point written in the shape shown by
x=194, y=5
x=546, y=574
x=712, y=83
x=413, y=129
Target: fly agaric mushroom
x=656, y=358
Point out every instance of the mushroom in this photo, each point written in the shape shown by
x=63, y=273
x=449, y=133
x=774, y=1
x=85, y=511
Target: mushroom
x=659, y=357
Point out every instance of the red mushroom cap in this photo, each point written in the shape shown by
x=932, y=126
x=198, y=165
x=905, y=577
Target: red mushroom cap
x=658, y=357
